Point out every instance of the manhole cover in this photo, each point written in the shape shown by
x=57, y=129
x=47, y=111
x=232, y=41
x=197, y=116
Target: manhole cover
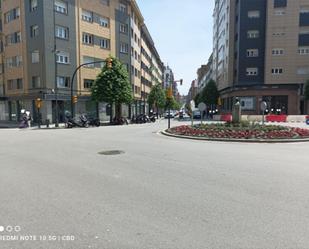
x=111, y=152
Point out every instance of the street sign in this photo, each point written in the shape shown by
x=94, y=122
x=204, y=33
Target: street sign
x=192, y=103
x=263, y=106
x=202, y=106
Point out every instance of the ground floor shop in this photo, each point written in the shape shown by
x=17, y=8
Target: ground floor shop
x=10, y=108
x=287, y=99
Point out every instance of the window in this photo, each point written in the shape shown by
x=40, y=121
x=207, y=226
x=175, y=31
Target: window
x=276, y=71
x=88, y=83
x=123, y=28
x=19, y=60
x=62, y=32
x=15, y=61
x=277, y=51
x=104, y=43
x=9, y=62
x=35, y=56
x=104, y=22
x=87, y=38
x=122, y=7
x=253, y=34
x=33, y=5
x=279, y=12
x=124, y=48
x=36, y=82
x=63, y=82
x=34, y=31
x=105, y=2
x=303, y=50
x=303, y=71
x=252, y=52
x=252, y=71
x=15, y=84
x=12, y=15
x=61, y=7
x=279, y=32
x=19, y=84
x=280, y=3
x=63, y=58
x=87, y=59
x=254, y=14
x=87, y=16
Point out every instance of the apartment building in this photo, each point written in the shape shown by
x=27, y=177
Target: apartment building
x=45, y=41
x=260, y=53
x=151, y=66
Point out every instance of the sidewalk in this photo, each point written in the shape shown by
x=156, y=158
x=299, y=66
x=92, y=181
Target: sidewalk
x=8, y=124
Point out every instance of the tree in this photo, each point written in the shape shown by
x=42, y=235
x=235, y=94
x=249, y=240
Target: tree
x=198, y=98
x=210, y=93
x=171, y=103
x=306, y=91
x=157, y=97
x=112, y=86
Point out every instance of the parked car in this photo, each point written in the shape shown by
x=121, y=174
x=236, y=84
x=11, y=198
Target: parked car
x=169, y=114
x=197, y=114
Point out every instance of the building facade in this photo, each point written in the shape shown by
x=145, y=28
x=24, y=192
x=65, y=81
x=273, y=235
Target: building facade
x=204, y=75
x=43, y=42
x=261, y=53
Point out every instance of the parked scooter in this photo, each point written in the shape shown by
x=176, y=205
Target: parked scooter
x=152, y=118
x=94, y=121
x=24, y=119
x=71, y=122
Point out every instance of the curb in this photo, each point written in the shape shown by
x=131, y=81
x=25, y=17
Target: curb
x=235, y=140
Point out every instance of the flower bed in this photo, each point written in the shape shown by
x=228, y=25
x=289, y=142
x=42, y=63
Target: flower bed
x=246, y=132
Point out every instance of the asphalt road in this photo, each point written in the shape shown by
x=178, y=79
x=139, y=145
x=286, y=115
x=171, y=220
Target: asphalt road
x=161, y=193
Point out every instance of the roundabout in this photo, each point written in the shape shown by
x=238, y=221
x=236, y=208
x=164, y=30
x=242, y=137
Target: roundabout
x=240, y=132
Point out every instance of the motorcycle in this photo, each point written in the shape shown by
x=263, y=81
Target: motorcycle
x=120, y=121
x=94, y=121
x=152, y=118
x=71, y=122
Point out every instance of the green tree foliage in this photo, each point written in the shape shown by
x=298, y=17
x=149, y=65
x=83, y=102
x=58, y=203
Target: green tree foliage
x=113, y=86
x=198, y=99
x=210, y=93
x=306, y=92
x=170, y=102
x=157, y=97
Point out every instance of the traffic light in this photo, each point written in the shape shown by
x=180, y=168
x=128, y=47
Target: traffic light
x=74, y=99
x=219, y=102
x=38, y=103
x=181, y=81
x=170, y=92
x=109, y=63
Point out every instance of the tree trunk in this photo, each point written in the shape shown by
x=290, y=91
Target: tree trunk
x=118, y=110
x=111, y=113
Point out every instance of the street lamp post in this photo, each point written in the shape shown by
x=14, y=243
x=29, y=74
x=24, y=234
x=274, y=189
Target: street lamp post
x=73, y=101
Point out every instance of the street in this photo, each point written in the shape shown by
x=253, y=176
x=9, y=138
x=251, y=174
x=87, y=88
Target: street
x=161, y=193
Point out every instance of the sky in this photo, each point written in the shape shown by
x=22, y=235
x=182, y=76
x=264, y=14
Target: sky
x=182, y=32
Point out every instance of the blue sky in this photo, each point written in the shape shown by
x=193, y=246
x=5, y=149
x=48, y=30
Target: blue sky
x=182, y=32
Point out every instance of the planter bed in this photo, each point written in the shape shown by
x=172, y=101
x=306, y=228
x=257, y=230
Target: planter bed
x=245, y=132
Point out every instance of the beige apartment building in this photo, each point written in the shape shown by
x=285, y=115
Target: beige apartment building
x=261, y=53
x=43, y=42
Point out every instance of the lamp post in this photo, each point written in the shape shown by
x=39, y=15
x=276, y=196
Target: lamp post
x=74, y=98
